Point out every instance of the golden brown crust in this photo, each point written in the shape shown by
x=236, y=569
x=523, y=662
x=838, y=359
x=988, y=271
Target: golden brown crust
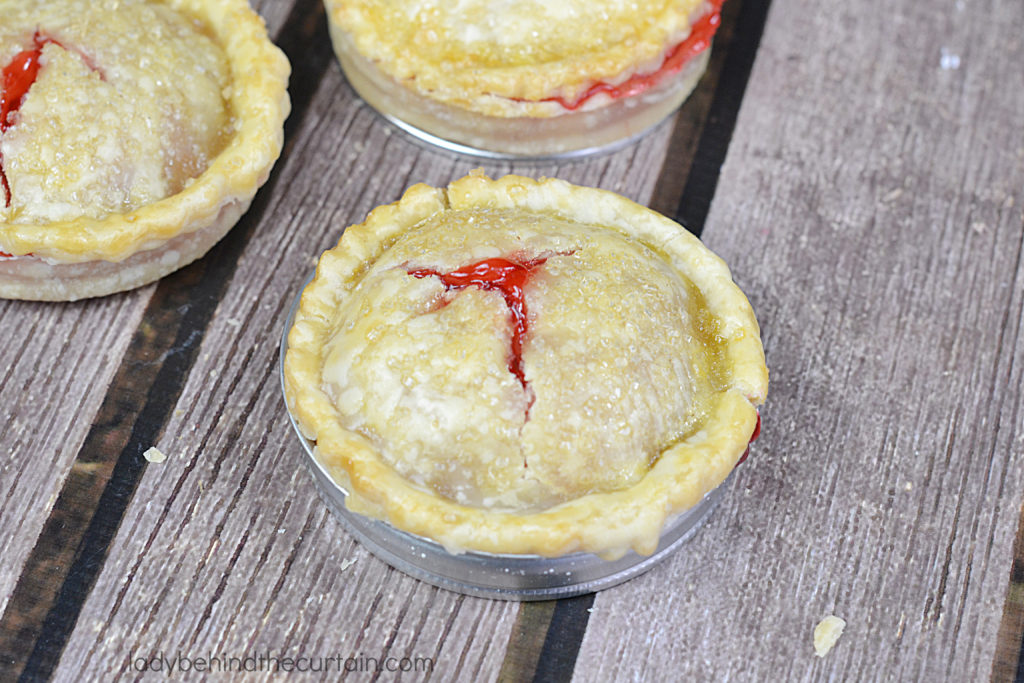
x=258, y=102
x=630, y=514
x=485, y=55
x=36, y=279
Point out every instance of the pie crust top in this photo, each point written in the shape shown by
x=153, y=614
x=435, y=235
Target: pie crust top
x=489, y=55
x=520, y=366
x=139, y=121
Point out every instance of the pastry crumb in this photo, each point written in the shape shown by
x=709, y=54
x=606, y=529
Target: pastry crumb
x=153, y=454
x=826, y=633
x=345, y=564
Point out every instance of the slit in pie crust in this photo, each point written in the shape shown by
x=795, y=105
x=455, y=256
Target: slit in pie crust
x=527, y=367
x=134, y=134
x=530, y=78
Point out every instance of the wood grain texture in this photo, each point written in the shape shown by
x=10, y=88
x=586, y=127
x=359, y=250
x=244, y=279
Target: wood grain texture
x=79, y=519
x=870, y=205
x=67, y=351
x=226, y=547
x=50, y=350
x=876, y=225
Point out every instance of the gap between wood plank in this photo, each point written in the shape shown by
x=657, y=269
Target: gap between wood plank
x=692, y=117
x=1009, y=663
x=564, y=637
x=526, y=641
x=72, y=548
x=706, y=166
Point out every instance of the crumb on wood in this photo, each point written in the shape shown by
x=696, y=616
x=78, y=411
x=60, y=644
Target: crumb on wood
x=153, y=454
x=345, y=564
x=893, y=195
x=826, y=633
x=948, y=60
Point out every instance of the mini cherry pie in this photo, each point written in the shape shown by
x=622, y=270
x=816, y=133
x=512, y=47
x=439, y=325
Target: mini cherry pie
x=530, y=77
x=526, y=367
x=133, y=135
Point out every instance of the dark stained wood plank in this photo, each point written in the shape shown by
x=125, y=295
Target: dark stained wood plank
x=688, y=186
x=1009, y=662
x=68, y=351
x=55, y=350
x=689, y=122
x=526, y=642
x=55, y=364
x=871, y=208
x=69, y=547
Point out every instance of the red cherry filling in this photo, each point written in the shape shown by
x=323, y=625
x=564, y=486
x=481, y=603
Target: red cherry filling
x=509, y=278
x=496, y=275
x=753, y=438
x=17, y=78
x=701, y=33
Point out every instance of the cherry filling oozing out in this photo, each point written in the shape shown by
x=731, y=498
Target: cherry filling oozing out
x=509, y=279
x=753, y=438
x=500, y=275
x=18, y=77
x=699, y=39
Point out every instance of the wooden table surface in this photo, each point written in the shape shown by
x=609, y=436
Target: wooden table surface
x=860, y=165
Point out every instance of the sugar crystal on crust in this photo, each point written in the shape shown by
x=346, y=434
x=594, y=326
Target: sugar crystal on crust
x=616, y=366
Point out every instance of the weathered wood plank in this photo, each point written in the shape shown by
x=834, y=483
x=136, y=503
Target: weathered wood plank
x=871, y=207
x=56, y=362
x=68, y=351
x=61, y=361
x=886, y=487
x=226, y=547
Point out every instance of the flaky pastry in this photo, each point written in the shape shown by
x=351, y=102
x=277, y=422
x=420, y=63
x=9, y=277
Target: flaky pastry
x=525, y=367
x=524, y=77
x=133, y=135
